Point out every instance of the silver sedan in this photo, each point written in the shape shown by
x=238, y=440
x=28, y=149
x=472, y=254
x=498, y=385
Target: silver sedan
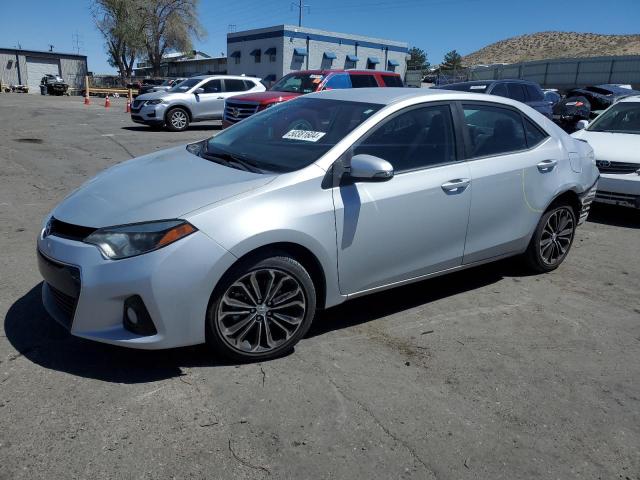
x=240, y=239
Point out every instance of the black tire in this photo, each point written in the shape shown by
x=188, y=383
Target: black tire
x=550, y=244
x=177, y=119
x=250, y=345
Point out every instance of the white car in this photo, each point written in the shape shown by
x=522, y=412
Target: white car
x=615, y=138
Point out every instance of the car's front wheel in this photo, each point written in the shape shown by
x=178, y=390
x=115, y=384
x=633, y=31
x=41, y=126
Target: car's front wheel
x=177, y=119
x=552, y=239
x=261, y=308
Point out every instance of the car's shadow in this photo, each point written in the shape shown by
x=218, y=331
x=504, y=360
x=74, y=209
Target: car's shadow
x=40, y=339
x=614, y=216
x=196, y=127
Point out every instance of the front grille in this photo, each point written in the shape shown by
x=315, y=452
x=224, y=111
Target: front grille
x=236, y=111
x=66, y=304
x=606, y=166
x=137, y=103
x=69, y=231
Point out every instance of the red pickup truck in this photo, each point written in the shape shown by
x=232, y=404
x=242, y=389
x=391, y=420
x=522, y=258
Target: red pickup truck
x=299, y=83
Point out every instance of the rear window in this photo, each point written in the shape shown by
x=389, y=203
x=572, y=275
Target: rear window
x=235, y=85
x=392, y=81
x=363, y=81
x=516, y=92
x=534, y=93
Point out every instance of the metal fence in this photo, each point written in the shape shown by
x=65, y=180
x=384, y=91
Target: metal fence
x=567, y=73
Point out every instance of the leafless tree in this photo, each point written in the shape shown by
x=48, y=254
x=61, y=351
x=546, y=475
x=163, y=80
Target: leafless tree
x=121, y=27
x=168, y=25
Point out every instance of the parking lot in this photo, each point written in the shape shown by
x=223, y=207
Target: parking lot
x=489, y=373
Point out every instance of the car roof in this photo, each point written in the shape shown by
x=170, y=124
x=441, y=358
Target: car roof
x=342, y=70
x=630, y=98
x=232, y=77
x=389, y=95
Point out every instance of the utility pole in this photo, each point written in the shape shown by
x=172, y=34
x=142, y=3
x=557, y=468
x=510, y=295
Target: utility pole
x=300, y=6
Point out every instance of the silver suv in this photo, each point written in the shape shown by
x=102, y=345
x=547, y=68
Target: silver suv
x=194, y=100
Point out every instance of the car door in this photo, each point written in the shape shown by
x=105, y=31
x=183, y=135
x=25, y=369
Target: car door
x=514, y=166
x=415, y=223
x=208, y=103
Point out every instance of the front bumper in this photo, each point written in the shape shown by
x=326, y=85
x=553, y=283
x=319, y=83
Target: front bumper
x=149, y=114
x=175, y=284
x=619, y=189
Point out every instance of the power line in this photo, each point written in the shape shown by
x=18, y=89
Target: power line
x=300, y=6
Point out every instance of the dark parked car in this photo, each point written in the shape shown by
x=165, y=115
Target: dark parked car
x=53, y=85
x=601, y=97
x=520, y=90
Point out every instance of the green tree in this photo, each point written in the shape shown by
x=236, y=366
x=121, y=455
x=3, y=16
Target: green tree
x=452, y=61
x=418, y=60
x=121, y=28
x=168, y=25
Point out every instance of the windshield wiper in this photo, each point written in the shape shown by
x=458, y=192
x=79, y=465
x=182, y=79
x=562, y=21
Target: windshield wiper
x=231, y=160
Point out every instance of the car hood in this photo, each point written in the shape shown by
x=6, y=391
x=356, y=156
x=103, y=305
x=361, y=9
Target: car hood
x=615, y=147
x=266, y=97
x=161, y=185
x=152, y=95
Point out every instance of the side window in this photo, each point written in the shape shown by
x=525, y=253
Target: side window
x=534, y=134
x=494, y=130
x=418, y=138
x=363, y=81
x=212, y=86
x=248, y=85
x=534, y=94
x=233, y=85
x=516, y=91
x=392, y=81
x=500, y=89
x=338, y=81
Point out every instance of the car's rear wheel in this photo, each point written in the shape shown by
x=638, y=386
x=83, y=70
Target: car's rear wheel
x=552, y=239
x=177, y=119
x=261, y=309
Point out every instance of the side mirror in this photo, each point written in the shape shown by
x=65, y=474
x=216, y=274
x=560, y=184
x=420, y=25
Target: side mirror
x=199, y=91
x=367, y=168
x=582, y=124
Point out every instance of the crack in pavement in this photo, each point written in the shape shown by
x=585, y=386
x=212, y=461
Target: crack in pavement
x=386, y=430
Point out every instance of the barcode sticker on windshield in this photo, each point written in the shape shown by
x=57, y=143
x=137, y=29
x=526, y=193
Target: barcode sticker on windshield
x=304, y=135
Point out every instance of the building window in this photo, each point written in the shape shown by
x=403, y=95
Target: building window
x=257, y=55
x=271, y=52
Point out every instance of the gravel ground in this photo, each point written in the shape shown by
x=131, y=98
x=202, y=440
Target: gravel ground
x=484, y=374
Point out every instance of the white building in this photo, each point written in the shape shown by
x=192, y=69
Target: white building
x=269, y=53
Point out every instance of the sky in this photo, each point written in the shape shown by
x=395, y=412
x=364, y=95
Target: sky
x=436, y=26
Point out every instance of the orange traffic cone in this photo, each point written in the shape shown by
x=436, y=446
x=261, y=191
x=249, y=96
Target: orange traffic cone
x=86, y=99
x=107, y=102
x=128, y=109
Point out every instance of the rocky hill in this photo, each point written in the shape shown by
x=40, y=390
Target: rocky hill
x=543, y=45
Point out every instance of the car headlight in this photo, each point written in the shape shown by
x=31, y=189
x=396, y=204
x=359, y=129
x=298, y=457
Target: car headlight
x=126, y=241
x=269, y=105
x=153, y=102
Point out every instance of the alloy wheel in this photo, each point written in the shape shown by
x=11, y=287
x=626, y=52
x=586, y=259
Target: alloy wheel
x=261, y=311
x=556, y=236
x=178, y=119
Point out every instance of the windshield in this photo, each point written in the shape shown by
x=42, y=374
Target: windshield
x=620, y=118
x=186, y=85
x=291, y=135
x=298, y=83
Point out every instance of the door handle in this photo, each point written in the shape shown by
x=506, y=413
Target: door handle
x=547, y=165
x=456, y=186
x=220, y=98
